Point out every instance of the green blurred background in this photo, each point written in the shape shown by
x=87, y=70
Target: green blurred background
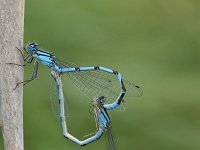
x=153, y=43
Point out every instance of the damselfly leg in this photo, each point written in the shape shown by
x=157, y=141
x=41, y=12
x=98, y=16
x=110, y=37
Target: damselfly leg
x=27, y=59
x=33, y=76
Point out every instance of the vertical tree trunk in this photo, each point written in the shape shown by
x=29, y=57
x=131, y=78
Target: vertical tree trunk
x=11, y=36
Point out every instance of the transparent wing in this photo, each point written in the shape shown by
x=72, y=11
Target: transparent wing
x=132, y=90
x=94, y=114
x=97, y=83
x=111, y=140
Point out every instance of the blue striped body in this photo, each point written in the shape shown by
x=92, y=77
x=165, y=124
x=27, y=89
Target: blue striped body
x=49, y=60
x=46, y=59
x=103, y=118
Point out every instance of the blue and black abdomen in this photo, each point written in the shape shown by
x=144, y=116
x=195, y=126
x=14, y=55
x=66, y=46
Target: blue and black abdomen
x=103, y=119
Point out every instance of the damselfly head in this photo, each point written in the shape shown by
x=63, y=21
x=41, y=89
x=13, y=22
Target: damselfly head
x=31, y=47
x=99, y=100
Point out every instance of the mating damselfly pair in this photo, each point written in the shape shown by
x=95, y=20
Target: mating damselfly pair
x=96, y=82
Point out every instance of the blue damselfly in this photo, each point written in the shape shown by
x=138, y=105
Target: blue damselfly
x=102, y=119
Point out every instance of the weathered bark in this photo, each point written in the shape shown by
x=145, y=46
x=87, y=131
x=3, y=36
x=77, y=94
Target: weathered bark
x=11, y=36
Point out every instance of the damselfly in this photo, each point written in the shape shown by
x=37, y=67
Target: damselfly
x=102, y=119
x=89, y=80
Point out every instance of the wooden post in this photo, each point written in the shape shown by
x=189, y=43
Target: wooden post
x=11, y=36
